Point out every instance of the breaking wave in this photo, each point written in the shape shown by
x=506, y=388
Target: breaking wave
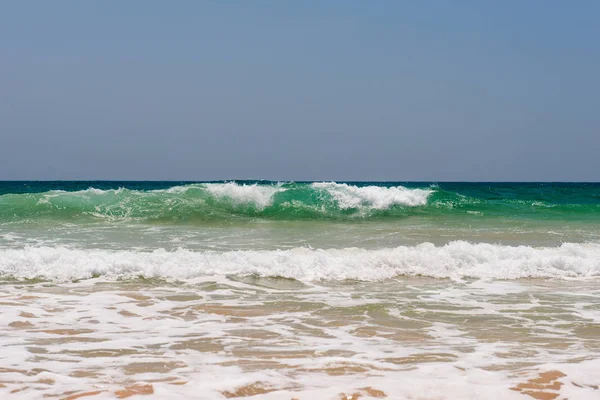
x=290, y=201
x=213, y=201
x=455, y=260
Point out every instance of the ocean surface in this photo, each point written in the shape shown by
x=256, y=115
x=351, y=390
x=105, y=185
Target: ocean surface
x=307, y=290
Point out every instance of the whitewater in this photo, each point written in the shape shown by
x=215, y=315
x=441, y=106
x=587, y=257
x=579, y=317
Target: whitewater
x=455, y=260
x=280, y=290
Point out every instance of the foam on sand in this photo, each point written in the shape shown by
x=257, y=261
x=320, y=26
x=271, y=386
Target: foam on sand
x=222, y=337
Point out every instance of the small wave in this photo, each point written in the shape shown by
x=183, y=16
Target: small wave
x=455, y=260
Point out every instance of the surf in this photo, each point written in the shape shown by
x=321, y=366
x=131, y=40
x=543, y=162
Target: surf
x=455, y=260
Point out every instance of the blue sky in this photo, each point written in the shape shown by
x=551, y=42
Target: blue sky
x=342, y=90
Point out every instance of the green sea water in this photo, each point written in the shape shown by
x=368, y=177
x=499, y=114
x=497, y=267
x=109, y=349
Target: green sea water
x=300, y=229
x=185, y=202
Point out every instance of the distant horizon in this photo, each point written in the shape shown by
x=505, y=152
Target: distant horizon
x=279, y=180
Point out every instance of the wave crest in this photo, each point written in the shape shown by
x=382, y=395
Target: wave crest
x=260, y=196
x=373, y=197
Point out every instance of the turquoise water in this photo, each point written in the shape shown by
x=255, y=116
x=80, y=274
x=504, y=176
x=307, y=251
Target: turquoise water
x=244, y=226
x=186, y=202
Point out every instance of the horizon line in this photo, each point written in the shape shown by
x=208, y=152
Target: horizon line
x=290, y=180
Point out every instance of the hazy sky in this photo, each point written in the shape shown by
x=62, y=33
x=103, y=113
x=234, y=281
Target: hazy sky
x=344, y=90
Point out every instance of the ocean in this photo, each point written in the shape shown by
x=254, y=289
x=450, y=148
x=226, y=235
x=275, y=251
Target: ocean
x=305, y=290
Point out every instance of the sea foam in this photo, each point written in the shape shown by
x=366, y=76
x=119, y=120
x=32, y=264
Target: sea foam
x=377, y=197
x=455, y=260
x=260, y=196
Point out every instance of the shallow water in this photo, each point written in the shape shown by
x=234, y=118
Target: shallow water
x=402, y=338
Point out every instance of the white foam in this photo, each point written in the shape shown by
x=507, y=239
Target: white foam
x=10, y=237
x=259, y=195
x=454, y=260
x=88, y=191
x=470, y=344
x=376, y=197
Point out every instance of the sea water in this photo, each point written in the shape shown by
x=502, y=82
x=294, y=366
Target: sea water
x=310, y=290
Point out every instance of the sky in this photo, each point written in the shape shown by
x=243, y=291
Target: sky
x=306, y=90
